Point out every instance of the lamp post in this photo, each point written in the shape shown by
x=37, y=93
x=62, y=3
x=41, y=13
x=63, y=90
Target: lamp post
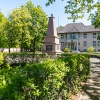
x=77, y=44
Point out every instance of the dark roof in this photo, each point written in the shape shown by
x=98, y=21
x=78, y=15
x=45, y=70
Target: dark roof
x=90, y=28
x=77, y=27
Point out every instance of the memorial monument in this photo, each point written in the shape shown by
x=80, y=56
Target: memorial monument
x=51, y=41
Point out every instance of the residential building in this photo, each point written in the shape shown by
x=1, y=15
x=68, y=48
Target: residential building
x=77, y=36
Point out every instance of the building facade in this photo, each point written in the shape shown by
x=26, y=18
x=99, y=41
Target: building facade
x=79, y=37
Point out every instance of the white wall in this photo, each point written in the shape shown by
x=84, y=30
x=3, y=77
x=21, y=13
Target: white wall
x=81, y=39
x=11, y=49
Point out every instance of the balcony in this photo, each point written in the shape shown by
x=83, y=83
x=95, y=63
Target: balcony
x=71, y=40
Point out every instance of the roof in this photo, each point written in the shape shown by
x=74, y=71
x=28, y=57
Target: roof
x=77, y=27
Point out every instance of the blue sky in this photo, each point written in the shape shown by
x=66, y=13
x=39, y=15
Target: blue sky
x=57, y=9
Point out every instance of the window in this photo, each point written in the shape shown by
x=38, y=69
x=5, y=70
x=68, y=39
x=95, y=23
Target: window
x=62, y=44
x=68, y=45
x=66, y=36
x=98, y=43
x=72, y=36
x=94, y=43
x=84, y=43
x=62, y=37
x=85, y=35
x=48, y=47
x=94, y=35
x=98, y=34
x=79, y=35
x=84, y=50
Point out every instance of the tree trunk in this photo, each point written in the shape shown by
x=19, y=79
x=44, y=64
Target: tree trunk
x=34, y=45
x=9, y=49
x=21, y=48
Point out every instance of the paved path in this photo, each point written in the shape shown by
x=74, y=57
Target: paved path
x=92, y=87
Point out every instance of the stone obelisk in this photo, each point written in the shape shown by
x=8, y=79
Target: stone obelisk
x=51, y=42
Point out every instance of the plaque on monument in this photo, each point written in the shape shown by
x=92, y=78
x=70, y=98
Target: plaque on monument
x=48, y=47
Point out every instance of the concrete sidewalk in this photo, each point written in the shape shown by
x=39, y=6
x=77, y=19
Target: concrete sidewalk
x=92, y=87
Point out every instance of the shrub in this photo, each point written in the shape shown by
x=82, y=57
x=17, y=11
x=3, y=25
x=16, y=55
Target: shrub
x=1, y=58
x=79, y=69
x=3, y=63
x=47, y=80
x=39, y=81
x=91, y=49
x=67, y=50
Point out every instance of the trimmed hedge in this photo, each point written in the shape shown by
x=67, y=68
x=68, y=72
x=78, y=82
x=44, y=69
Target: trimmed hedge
x=47, y=80
x=79, y=70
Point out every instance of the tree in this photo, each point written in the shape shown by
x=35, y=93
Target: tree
x=96, y=21
x=39, y=25
x=77, y=8
x=3, y=21
x=19, y=22
x=1, y=58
